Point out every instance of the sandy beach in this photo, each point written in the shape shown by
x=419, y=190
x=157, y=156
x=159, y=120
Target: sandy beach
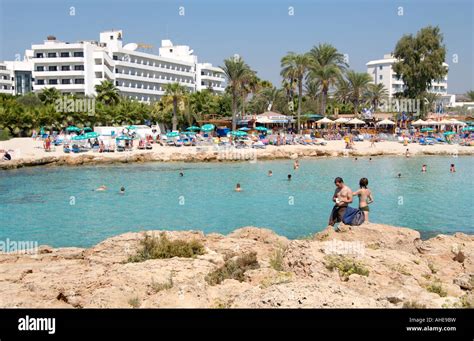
x=28, y=152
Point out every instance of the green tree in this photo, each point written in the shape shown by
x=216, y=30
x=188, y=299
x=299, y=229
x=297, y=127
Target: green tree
x=177, y=93
x=326, y=65
x=420, y=60
x=107, y=93
x=470, y=95
x=49, y=95
x=237, y=73
x=357, y=83
x=295, y=66
x=376, y=93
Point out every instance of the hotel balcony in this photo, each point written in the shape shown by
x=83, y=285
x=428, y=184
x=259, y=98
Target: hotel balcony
x=153, y=68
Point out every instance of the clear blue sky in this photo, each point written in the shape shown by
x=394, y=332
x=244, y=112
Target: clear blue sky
x=260, y=30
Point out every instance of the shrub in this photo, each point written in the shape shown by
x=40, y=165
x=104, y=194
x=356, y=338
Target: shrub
x=157, y=286
x=134, y=302
x=276, y=261
x=437, y=288
x=346, y=266
x=233, y=269
x=413, y=305
x=4, y=135
x=161, y=248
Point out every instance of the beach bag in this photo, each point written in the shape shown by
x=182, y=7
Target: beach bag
x=353, y=216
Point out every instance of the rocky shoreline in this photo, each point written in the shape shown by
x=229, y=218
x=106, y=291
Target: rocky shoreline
x=376, y=266
x=229, y=155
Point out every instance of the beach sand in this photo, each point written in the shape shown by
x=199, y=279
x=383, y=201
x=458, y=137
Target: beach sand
x=28, y=152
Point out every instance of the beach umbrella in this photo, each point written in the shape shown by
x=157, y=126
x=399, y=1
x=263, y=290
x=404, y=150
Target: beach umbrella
x=87, y=129
x=131, y=127
x=79, y=137
x=91, y=135
x=419, y=122
x=238, y=133
x=172, y=134
x=261, y=128
x=73, y=129
x=244, y=129
x=189, y=133
x=386, y=122
x=431, y=122
x=470, y=128
x=447, y=133
x=124, y=137
x=342, y=120
x=325, y=120
x=427, y=130
x=208, y=127
x=193, y=128
x=355, y=121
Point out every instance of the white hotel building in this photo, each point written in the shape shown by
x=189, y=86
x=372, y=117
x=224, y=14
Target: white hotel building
x=381, y=72
x=78, y=67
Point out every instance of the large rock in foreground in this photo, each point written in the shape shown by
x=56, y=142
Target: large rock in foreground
x=368, y=266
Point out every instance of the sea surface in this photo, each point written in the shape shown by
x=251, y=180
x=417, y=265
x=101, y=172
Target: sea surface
x=58, y=205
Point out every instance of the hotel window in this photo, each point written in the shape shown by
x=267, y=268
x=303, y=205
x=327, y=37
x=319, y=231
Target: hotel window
x=53, y=81
x=115, y=57
x=52, y=68
x=40, y=82
x=65, y=68
x=79, y=67
x=380, y=67
x=79, y=81
x=79, y=54
x=65, y=81
x=380, y=77
x=39, y=55
x=64, y=54
x=40, y=68
x=51, y=54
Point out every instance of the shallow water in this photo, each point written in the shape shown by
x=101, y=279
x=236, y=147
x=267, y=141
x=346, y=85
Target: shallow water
x=57, y=206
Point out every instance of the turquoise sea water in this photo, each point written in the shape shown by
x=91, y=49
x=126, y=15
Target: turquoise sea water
x=57, y=206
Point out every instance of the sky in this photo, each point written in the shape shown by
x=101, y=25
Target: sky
x=261, y=31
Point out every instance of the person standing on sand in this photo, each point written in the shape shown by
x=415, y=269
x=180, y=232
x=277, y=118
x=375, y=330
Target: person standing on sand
x=342, y=198
x=365, y=197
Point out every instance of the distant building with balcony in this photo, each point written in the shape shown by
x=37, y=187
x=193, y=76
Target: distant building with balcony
x=76, y=68
x=381, y=71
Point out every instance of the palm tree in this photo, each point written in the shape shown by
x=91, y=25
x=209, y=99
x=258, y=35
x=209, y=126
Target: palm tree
x=176, y=92
x=357, y=83
x=294, y=66
x=375, y=93
x=49, y=95
x=107, y=93
x=470, y=95
x=270, y=96
x=236, y=72
x=326, y=65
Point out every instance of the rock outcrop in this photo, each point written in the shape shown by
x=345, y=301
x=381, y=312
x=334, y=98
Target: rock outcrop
x=368, y=266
